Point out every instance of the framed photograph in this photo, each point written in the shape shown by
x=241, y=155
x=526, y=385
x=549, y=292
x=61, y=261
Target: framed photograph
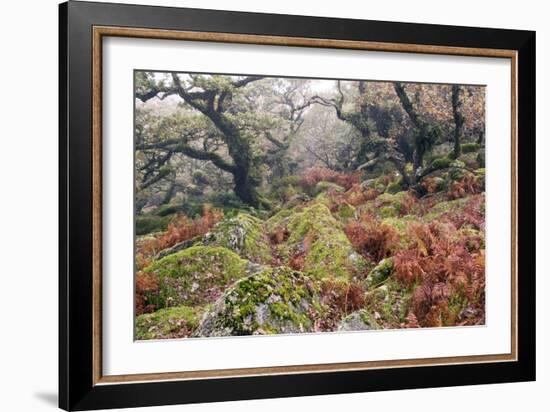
x=257, y=205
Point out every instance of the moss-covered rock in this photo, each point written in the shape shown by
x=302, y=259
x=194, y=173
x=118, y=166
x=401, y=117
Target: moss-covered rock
x=380, y=272
x=401, y=226
x=278, y=219
x=457, y=170
x=441, y=163
x=196, y=275
x=441, y=208
x=276, y=300
x=327, y=187
x=356, y=321
x=175, y=322
x=243, y=234
x=313, y=231
x=387, y=211
x=389, y=304
x=389, y=205
x=394, y=187
x=346, y=211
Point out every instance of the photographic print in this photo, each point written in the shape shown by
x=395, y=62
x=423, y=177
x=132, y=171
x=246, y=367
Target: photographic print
x=275, y=205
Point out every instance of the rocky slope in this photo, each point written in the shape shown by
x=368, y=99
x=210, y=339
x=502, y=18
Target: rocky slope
x=331, y=258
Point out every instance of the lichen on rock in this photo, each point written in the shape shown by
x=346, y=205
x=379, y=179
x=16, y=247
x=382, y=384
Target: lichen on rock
x=276, y=300
x=244, y=235
x=357, y=321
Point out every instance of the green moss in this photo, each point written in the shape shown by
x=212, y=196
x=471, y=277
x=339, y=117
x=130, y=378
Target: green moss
x=196, y=275
x=323, y=198
x=401, y=225
x=380, y=272
x=243, y=234
x=475, y=239
x=392, y=205
x=441, y=163
x=380, y=183
x=480, y=177
x=276, y=300
x=175, y=322
x=328, y=187
x=441, y=184
x=469, y=147
x=286, y=181
x=388, y=211
x=278, y=218
x=149, y=223
x=390, y=302
x=481, y=158
x=346, y=211
x=444, y=207
x=457, y=170
x=394, y=187
x=328, y=251
x=166, y=210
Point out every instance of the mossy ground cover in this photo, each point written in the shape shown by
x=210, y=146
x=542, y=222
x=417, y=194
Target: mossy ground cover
x=196, y=275
x=174, y=322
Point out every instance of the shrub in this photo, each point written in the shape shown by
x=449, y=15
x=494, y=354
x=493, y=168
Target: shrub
x=446, y=274
x=471, y=215
x=339, y=298
x=147, y=286
x=180, y=229
x=373, y=240
x=354, y=196
x=149, y=224
x=467, y=185
x=433, y=184
x=321, y=174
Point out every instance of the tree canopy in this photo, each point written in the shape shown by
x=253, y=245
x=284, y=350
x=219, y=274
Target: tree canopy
x=211, y=131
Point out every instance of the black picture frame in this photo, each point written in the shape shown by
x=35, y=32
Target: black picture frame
x=77, y=390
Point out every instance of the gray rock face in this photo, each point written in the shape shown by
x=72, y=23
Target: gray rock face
x=360, y=320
